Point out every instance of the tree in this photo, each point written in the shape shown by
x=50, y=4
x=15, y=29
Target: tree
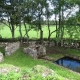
x=60, y=7
x=38, y=13
x=48, y=13
x=9, y=13
x=72, y=23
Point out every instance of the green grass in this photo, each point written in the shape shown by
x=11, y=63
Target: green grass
x=24, y=61
x=72, y=32
x=56, y=56
x=6, y=33
x=71, y=51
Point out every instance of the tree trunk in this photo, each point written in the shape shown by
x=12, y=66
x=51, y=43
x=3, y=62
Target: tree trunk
x=41, y=35
x=49, y=31
x=40, y=28
x=20, y=34
x=62, y=28
x=59, y=31
x=11, y=27
x=26, y=33
x=56, y=26
x=12, y=31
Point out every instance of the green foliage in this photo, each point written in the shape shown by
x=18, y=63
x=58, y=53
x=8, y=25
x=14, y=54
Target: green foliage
x=72, y=29
x=2, y=50
x=37, y=73
x=27, y=76
x=10, y=76
x=25, y=62
x=5, y=33
x=38, y=77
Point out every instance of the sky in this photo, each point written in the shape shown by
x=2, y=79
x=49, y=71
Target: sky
x=73, y=12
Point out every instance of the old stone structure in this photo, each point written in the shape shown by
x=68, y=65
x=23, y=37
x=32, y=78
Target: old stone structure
x=3, y=44
x=44, y=71
x=11, y=48
x=1, y=57
x=6, y=68
x=35, y=50
x=32, y=52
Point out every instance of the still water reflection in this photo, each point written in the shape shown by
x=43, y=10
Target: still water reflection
x=70, y=63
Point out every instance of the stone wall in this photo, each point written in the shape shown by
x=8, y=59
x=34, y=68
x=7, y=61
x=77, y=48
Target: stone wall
x=1, y=57
x=3, y=44
x=11, y=48
x=35, y=50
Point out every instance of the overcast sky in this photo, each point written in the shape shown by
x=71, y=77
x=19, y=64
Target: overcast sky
x=73, y=12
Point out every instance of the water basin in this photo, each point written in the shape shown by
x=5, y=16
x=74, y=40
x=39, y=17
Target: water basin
x=69, y=63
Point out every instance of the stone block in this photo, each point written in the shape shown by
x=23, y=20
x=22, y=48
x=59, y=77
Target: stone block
x=11, y=48
x=1, y=57
x=35, y=51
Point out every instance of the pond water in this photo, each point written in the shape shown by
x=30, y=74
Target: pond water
x=69, y=63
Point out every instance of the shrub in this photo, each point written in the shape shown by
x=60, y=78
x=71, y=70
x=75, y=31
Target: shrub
x=10, y=76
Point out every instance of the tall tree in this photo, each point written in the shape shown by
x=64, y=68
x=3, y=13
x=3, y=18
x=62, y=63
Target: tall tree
x=39, y=13
x=48, y=14
x=60, y=7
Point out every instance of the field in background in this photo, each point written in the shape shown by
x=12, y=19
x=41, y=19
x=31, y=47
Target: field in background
x=70, y=32
x=6, y=33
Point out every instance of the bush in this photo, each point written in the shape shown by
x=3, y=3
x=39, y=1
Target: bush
x=10, y=76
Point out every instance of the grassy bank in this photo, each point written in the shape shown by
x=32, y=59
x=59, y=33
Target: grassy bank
x=26, y=62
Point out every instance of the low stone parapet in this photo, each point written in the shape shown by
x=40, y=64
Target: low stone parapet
x=3, y=44
x=35, y=51
x=31, y=51
x=11, y=48
x=1, y=57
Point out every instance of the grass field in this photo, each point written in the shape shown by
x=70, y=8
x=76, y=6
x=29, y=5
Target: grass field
x=5, y=32
x=71, y=32
x=25, y=62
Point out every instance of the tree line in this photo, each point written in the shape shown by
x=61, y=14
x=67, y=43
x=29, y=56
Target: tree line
x=35, y=13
